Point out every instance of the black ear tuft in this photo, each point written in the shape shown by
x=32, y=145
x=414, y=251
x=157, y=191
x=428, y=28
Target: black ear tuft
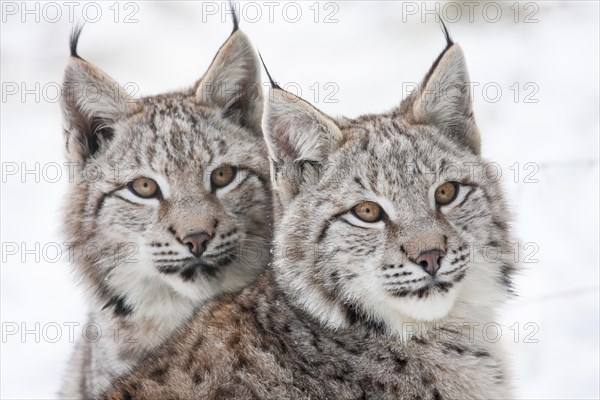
x=449, y=41
x=274, y=85
x=74, y=39
x=236, y=22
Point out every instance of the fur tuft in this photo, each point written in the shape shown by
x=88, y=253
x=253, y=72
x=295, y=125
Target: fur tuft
x=449, y=44
x=274, y=85
x=236, y=22
x=74, y=40
x=449, y=41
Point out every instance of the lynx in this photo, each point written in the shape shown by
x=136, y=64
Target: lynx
x=171, y=205
x=378, y=289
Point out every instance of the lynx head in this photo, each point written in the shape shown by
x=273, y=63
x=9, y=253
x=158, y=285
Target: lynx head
x=385, y=217
x=171, y=199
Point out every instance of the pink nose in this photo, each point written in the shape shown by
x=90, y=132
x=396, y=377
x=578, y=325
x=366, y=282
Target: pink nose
x=430, y=260
x=197, y=242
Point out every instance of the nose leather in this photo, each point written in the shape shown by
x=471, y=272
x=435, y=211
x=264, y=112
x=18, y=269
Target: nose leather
x=430, y=260
x=197, y=242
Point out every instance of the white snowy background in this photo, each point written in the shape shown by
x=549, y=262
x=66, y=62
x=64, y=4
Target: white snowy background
x=369, y=54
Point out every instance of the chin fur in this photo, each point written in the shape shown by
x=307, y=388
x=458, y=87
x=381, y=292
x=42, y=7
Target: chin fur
x=435, y=306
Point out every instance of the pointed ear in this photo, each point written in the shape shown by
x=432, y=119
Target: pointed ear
x=233, y=83
x=299, y=138
x=91, y=104
x=444, y=100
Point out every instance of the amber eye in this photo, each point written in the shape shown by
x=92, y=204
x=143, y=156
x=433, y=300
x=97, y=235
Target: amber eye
x=367, y=211
x=222, y=176
x=144, y=188
x=446, y=193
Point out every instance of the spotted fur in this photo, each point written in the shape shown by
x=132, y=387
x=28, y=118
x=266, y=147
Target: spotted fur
x=347, y=312
x=130, y=252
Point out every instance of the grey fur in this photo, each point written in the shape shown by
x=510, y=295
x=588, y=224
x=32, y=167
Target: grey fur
x=346, y=312
x=144, y=282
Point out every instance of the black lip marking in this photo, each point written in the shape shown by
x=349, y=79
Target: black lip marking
x=190, y=271
x=423, y=292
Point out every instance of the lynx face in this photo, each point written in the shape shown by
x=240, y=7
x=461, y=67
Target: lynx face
x=171, y=200
x=391, y=213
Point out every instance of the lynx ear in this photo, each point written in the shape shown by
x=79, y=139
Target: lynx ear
x=91, y=104
x=233, y=84
x=444, y=99
x=299, y=138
